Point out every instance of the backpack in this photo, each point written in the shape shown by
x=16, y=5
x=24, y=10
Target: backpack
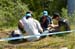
x=64, y=25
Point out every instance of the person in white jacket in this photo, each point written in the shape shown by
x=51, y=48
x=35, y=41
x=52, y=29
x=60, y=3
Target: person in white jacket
x=31, y=26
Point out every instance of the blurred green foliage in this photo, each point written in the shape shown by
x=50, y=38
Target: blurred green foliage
x=37, y=6
x=12, y=10
x=64, y=14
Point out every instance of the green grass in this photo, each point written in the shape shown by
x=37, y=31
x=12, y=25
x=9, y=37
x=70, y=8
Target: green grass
x=53, y=42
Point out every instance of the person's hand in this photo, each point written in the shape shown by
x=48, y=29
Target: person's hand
x=49, y=25
x=41, y=30
x=48, y=28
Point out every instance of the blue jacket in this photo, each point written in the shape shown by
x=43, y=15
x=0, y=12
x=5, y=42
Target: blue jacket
x=46, y=23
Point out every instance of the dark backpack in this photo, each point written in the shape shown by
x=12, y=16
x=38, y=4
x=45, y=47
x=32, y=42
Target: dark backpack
x=64, y=26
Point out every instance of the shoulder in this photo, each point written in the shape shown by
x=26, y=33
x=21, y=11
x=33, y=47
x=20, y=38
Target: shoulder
x=36, y=21
x=49, y=17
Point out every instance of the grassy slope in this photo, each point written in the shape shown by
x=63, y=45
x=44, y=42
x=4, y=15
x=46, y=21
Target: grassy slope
x=53, y=42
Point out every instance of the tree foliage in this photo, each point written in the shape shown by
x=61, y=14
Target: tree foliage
x=12, y=10
x=50, y=5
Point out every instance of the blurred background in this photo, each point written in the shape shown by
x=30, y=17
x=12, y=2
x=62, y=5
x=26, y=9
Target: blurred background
x=13, y=10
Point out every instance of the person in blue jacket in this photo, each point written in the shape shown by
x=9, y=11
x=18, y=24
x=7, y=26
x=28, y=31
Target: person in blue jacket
x=45, y=20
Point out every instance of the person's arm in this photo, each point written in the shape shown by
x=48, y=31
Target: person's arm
x=50, y=20
x=21, y=26
x=39, y=26
x=53, y=25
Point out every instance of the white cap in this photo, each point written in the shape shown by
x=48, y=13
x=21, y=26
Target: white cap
x=28, y=14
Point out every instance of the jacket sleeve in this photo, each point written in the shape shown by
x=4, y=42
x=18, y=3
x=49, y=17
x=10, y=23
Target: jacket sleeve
x=39, y=26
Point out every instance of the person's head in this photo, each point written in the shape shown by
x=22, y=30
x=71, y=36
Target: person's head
x=28, y=15
x=45, y=13
x=56, y=16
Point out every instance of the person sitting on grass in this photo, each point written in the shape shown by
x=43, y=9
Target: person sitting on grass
x=54, y=27
x=31, y=26
x=59, y=24
x=45, y=20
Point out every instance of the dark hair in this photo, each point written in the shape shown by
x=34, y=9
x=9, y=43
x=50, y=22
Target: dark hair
x=27, y=12
x=27, y=17
x=55, y=15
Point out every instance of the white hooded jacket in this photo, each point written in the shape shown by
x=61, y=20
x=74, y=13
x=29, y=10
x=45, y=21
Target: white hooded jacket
x=32, y=27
